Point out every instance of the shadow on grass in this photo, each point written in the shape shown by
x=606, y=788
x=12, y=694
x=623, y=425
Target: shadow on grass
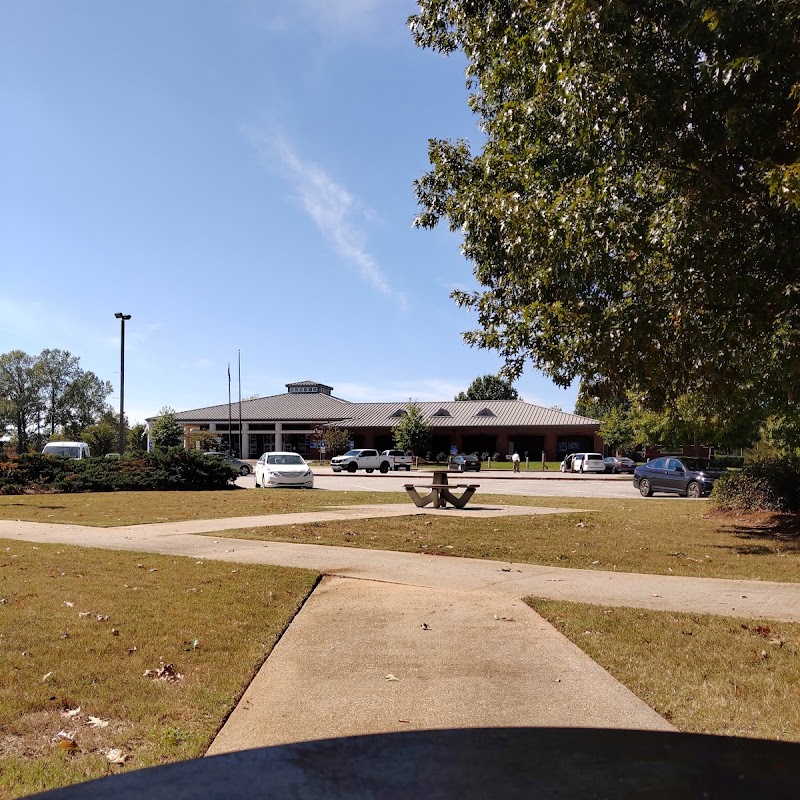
x=765, y=534
x=46, y=508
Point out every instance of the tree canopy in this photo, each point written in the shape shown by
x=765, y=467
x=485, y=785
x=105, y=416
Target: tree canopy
x=412, y=433
x=165, y=430
x=489, y=387
x=634, y=212
x=49, y=392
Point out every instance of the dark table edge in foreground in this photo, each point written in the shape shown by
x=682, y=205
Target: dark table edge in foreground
x=476, y=763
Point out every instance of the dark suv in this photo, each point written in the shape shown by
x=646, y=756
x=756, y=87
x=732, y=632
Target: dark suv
x=690, y=477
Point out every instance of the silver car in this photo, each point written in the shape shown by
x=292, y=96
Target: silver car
x=283, y=470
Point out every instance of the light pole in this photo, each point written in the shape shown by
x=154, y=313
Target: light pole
x=122, y=317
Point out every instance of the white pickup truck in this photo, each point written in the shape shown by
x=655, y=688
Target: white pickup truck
x=398, y=459
x=370, y=460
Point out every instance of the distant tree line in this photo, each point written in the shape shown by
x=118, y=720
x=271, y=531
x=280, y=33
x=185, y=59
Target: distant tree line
x=51, y=396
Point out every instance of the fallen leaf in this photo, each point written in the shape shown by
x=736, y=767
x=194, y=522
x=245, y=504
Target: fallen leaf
x=425, y=626
x=391, y=677
x=96, y=722
x=166, y=672
x=71, y=712
x=116, y=756
x=69, y=603
x=68, y=744
x=47, y=677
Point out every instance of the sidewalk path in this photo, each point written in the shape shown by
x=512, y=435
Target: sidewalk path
x=738, y=598
x=403, y=641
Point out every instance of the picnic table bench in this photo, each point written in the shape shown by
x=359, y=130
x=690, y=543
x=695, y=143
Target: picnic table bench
x=440, y=494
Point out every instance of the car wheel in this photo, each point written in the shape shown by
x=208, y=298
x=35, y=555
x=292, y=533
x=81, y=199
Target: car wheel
x=352, y=466
x=408, y=468
x=258, y=485
x=244, y=470
x=694, y=491
x=385, y=467
x=395, y=468
x=370, y=470
x=645, y=489
x=563, y=468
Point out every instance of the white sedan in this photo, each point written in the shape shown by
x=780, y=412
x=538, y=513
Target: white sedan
x=275, y=470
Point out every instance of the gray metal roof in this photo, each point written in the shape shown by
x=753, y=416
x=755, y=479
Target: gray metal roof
x=316, y=406
x=468, y=414
x=320, y=407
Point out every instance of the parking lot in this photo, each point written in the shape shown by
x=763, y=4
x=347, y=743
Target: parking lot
x=535, y=484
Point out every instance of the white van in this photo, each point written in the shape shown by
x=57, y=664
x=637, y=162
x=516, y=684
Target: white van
x=67, y=449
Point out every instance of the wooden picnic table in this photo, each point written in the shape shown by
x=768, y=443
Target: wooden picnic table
x=440, y=493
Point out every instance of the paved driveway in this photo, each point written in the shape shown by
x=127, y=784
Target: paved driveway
x=534, y=485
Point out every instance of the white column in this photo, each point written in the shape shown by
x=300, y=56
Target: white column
x=245, y=440
x=278, y=436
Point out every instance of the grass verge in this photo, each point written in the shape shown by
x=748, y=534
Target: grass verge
x=705, y=674
x=109, y=509
x=662, y=537
x=658, y=536
x=79, y=628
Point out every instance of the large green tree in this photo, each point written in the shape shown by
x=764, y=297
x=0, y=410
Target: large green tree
x=20, y=397
x=165, y=430
x=489, y=387
x=634, y=210
x=412, y=433
x=58, y=369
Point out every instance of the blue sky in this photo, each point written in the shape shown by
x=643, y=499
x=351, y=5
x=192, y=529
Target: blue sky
x=237, y=176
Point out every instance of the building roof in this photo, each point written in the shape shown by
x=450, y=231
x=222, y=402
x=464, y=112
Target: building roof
x=321, y=407
x=466, y=414
x=278, y=408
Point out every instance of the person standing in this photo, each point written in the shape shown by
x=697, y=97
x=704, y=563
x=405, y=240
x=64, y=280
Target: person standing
x=515, y=461
x=544, y=460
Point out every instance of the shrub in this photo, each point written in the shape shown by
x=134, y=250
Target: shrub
x=440, y=458
x=729, y=461
x=176, y=469
x=772, y=485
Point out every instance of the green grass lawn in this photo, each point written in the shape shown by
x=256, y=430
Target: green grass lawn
x=665, y=537
x=79, y=628
x=705, y=674
x=661, y=536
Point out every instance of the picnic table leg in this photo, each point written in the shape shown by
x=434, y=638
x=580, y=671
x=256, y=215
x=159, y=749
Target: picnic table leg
x=459, y=502
x=420, y=502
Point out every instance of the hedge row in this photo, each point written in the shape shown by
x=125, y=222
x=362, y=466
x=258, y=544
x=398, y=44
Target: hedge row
x=772, y=485
x=177, y=469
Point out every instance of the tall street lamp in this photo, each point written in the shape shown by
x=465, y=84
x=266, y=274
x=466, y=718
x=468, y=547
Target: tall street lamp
x=122, y=317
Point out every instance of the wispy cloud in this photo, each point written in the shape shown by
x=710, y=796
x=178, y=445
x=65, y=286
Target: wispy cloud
x=341, y=18
x=334, y=210
x=424, y=390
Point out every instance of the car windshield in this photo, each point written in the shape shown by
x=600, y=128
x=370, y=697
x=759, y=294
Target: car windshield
x=352, y=452
x=700, y=464
x=69, y=452
x=285, y=459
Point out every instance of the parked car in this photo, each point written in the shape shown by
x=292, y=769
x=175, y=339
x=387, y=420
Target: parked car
x=583, y=462
x=691, y=477
x=67, y=449
x=275, y=470
x=617, y=464
x=362, y=458
x=242, y=466
x=464, y=462
x=398, y=459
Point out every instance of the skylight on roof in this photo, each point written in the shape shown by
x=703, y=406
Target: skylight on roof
x=442, y=412
x=401, y=412
x=485, y=412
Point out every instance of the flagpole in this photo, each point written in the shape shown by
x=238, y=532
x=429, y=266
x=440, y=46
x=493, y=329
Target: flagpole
x=241, y=439
x=230, y=432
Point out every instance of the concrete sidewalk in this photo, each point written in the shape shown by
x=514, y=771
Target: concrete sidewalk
x=402, y=641
x=364, y=657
